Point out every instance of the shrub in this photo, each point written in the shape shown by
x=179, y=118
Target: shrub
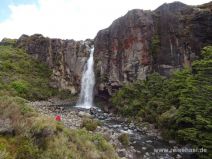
x=124, y=139
x=89, y=124
x=20, y=86
x=27, y=149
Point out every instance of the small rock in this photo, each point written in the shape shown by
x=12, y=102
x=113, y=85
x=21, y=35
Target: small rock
x=144, y=148
x=102, y=117
x=122, y=153
x=144, y=128
x=84, y=114
x=172, y=142
x=105, y=114
x=130, y=156
x=147, y=153
x=149, y=141
x=6, y=127
x=178, y=156
x=138, y=151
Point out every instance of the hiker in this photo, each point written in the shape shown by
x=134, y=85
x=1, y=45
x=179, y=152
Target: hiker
x=58, y=118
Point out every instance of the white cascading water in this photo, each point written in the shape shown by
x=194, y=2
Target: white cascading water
x=87, y=83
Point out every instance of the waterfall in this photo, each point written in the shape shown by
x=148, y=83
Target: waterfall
x=87, y=83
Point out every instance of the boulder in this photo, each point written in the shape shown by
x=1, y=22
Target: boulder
x=6, y=127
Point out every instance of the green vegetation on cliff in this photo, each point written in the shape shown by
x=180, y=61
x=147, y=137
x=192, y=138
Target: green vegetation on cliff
x=155, y=45
x=181, y=105
x=20, y=75
x=25, y=134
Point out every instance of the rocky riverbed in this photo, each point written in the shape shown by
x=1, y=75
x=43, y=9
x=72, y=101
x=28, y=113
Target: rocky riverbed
x=145, y=139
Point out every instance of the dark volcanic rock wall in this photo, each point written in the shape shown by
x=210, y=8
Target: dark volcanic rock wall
x=140, y=42
x=122, y=50
x=183, y=30
x=136, y=44
x=65, y=57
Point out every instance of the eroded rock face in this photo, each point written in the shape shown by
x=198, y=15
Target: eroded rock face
x=135, y=45
x=65, y=57
x=141, y=42
x=122, y=50
x=182, y=30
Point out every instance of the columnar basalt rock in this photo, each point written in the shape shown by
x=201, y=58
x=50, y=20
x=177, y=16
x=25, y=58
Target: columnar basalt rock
x=141, y=42
x=122, y=50
x=181, y=35
x=66, y=58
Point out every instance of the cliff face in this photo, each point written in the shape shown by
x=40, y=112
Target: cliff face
x=182, y=30
x=122, y=50
x=65, y=57
x=136, y=44
x=141, y=42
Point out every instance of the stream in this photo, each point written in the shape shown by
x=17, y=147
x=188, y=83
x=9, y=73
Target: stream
x=145, y=145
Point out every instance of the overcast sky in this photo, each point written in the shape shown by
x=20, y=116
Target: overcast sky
x=67, y=19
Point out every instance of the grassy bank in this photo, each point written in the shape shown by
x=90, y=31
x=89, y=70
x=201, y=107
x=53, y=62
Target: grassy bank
x=23, y=76
x=26, y=134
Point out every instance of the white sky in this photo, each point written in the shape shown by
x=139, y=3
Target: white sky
x=72, y=19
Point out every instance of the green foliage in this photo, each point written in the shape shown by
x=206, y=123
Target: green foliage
x=23, y=76
x=155, y=46
x=141, y=97
x=41, y=137
x=27, y=149
x=7, y=41
x=124, y=139
x=181, y=105
x=66, y=94
x=20, y=86
x=90, y=124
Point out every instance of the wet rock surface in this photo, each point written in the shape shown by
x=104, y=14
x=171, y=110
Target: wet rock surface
x=144, y=139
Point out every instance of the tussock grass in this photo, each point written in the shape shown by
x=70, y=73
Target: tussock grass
x=41, y=137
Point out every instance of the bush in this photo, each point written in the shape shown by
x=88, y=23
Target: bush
x=90, y=124
x=27, y=149
x=124, y=139
x=20, y=86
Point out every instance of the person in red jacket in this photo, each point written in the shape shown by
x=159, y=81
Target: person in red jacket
x=58, y=118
